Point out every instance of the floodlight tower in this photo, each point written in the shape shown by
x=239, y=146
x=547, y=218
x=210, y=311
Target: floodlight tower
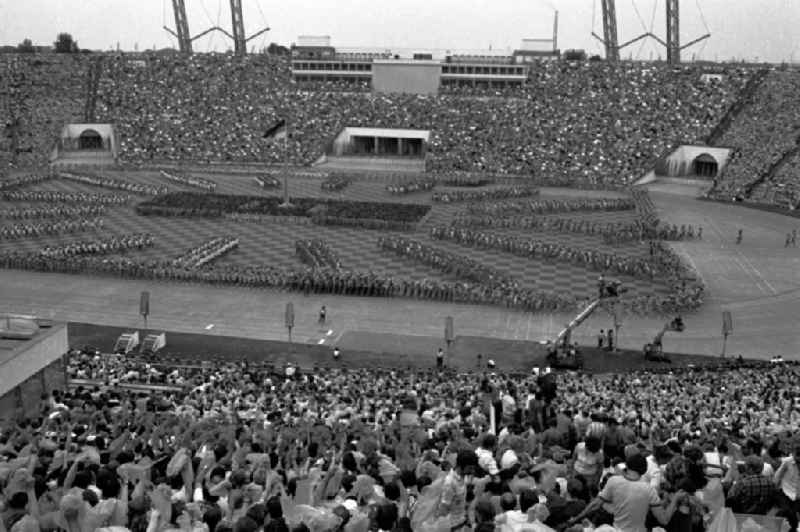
x=673, y=42
x=610, y=30
x=237, y=23
x=181, y=27
x=240, y=40
x=673, y=32
x=609, y=39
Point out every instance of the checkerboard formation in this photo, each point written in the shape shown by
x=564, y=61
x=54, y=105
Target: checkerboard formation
x=263, y=241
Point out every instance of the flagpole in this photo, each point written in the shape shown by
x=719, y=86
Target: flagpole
x=286, y=167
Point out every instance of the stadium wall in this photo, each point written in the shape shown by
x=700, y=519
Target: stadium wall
x=406, y=77
x=30, y=368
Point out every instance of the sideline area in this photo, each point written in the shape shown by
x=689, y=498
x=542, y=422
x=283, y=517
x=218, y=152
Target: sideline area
x=370, y=350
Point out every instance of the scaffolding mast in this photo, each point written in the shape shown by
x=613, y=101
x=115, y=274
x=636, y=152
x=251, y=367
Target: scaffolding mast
x=673, y=42
x=237, y=23
x=555, y=32
x=239, y=38
x=610, y=30
x=181, y=31
x=609, y=39
x=673, y=32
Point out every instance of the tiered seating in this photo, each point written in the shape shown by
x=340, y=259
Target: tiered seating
x=244, y=446
x=590, y=122
x=766, y=129
x=42, y=93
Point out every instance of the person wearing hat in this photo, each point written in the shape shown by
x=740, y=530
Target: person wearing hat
x=630, y=500
x=752, y=493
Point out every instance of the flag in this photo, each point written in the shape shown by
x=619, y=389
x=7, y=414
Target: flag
x=276, y=131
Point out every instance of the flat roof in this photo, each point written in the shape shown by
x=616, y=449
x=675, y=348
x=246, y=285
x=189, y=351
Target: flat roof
x=416, y=62
x=388, y=132
x=11, y=348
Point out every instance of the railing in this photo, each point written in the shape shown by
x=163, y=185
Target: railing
x=75, y=383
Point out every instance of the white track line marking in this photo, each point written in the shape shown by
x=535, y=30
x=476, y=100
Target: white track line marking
x=209, y=326
x=322, y=341
x=758, y=273
x=330, y=332
x=753, y=278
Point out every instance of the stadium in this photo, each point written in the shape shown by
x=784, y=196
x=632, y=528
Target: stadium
x=315, y=287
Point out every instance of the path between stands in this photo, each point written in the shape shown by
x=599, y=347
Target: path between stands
x=758, y=281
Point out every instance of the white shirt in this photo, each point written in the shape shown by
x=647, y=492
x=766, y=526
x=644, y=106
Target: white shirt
x=790, y=479
x=653, y=474
x=486, y=461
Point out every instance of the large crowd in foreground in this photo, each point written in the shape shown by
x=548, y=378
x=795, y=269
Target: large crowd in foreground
x=237, y=447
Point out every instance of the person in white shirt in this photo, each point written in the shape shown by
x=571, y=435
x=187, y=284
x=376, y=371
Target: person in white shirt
x=787, y=478
x=485, y=454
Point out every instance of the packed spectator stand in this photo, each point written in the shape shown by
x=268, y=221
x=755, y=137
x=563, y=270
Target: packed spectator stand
x=175, y=108
x=233, y=447
x=39, y=94
x=763, y=133
x=166, y=445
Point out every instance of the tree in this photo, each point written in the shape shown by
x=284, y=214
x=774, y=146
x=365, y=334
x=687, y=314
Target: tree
x=65, y=44
x=277, y=49
x=26, y=47
x=575, y=55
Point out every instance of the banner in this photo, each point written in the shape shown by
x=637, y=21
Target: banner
x=448, y=329
x=144, y=304
x=289, y=315
x=727, y=323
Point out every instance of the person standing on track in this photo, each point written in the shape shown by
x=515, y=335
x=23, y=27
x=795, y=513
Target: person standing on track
x=739, y=237
x=440, y=359
x=323, y=315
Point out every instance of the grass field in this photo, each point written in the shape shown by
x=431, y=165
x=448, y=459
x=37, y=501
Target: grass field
x=273, y=242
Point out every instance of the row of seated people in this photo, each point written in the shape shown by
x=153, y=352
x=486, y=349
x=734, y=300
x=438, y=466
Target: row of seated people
x=584, y=121
x=241, y=448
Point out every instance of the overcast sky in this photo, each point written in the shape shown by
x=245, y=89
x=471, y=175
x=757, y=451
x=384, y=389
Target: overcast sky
x=767, y=30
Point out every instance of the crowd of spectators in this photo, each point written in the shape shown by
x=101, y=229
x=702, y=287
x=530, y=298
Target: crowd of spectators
x=592, y=121
x=764, y=131
x=241, y=447
x=39, y=94
x=784, y=187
